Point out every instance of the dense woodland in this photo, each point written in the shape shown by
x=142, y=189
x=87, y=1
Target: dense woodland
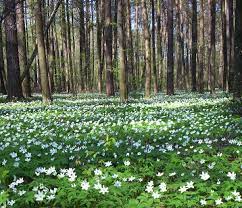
x=109, y=45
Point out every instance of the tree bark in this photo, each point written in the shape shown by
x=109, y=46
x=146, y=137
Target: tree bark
x=108, y=48
x=22, y=50
x=194, y=45
x=2, y=72
x=13, y=69
x=238, y=51
x=46, y=94
x=122, y=56
x=170, y=58
x=147, y=50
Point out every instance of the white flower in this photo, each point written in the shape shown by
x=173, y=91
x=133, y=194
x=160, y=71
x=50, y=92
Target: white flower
x=162, y=187
x=203, y=202
x=205, y=176
x=108, y=164
x=183, y=189
x=235, y=193
x=190, y=185
x=159, y=174
x=85, y=185
x=50, y=197
x=126, y=163
x=149, y=187
x=232, y=175
x=155, y=195
x=39, y=196
x=238, y=199
x=103, y=190
x=218, y=201
x=11, y=202
x=97, y=172
x=117, y=184
x=97, y=186
x=21, y=193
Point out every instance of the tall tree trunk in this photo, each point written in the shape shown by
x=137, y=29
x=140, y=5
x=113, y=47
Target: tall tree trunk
x=147, y=50
x=13, y=69
x=194, y=45
x=22, y=50
x=122, y=56
x=170, y=58
x=212, y=51
x=238, y=51
x=155, y=81
x=2, y=72
x=46, y=94
x=82, y=43
x=99, y=5
x=108, y=48
x=231, y=43
x=69, y=49
x=224, y=44
x=202, y=50
x=159, y=44
x=129, y=47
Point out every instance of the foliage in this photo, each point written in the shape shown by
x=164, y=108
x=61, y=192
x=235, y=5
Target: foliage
x=90, y=151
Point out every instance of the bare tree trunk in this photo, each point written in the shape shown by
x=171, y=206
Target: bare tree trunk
x=13, y=69
x=22, y=50
x=194, y=45
x=46, y=95
x=108, y=49
x=2, y=72
x=153, y=49
x=202, y=50
x=212, y=51
x=147, y=50
x=122, y=56
x=170, y=58
x=238, y=49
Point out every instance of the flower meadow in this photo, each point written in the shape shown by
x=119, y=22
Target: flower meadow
x=93, y=151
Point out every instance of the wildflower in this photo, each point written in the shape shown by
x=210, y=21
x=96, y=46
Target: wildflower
x=205, y=176
x=85, y=185
x=232, y=175
x=155, y=195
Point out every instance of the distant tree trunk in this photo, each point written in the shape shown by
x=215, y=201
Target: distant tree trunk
x=2, y=72
x=108, y=48
x=202, y=50
x=99, y=43
x=153, y=49
x=122, y=56
x=238, y=51
x=82, y=43
x=22, y=50
x=69, y=49
x=137, y=48
x=194, y=45
x=231, y=43
x=212, y=51
x=46, y=94
x=13, y=69
x=159, y=44
x=224, y=44
x=147, y=50
x=170, y=58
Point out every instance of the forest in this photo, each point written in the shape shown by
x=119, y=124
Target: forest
x=120, y=103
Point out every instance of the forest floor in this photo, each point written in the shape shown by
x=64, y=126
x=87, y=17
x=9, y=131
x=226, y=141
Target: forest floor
x=90, y=151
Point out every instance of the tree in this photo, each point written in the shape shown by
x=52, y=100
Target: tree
x=238, y=51
x=13, y=69
x=212, y=51
x=122, y=56
x=201, y=49
x=147, y=50
x=2, y=74
x=194, y=45
x=153, y=49
x=45, y=89
x=170, y=58
x=22, y=50
x=108, y=48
